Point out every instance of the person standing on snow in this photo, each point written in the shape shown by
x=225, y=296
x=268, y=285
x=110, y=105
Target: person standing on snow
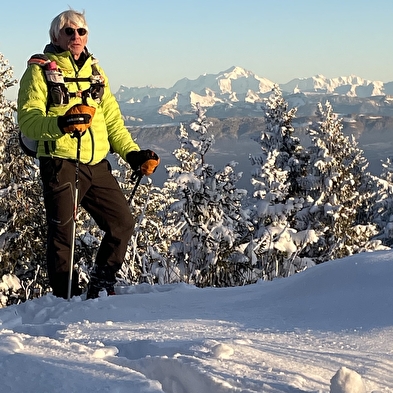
x=64, y=101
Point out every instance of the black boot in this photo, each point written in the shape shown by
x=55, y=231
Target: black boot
x=101, y=278
x=59, y=283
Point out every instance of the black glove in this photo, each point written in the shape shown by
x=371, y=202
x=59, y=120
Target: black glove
x=145, y=161
x=76, y=119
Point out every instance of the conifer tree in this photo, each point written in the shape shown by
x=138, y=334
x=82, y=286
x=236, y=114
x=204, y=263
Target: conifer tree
x=206, y=213
x=338, y=190
x=143, y=262
x=276, y=243
x=382, y=207
x=22, y=223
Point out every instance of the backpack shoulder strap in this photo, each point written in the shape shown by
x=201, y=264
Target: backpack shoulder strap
x=28, y=145
x=39, y=59
x=97, y=82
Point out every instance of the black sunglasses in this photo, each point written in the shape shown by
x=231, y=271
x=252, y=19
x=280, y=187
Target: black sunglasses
x=70, y=31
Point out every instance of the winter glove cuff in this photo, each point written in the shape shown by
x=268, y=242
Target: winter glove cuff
x=76, y=119
x=145, y=161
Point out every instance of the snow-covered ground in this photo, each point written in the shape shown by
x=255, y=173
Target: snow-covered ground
x=329, y=328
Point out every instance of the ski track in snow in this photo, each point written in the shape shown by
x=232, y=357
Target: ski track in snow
x=178, y=339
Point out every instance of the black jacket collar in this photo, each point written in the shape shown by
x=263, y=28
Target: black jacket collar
x=52, y=48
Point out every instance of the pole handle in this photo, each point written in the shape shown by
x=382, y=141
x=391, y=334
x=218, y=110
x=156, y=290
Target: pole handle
x=138, y=177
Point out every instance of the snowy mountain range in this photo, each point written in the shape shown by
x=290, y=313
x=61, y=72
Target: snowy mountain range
x=239, y=92
x=233, y=101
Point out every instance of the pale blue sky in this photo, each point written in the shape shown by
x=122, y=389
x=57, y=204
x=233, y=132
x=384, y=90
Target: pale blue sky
x=157, y=42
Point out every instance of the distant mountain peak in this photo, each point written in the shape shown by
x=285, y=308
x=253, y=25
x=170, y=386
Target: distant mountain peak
x=235, y=72
x=238, y=89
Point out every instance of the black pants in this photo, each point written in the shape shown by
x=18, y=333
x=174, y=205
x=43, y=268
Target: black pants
x=101, y=196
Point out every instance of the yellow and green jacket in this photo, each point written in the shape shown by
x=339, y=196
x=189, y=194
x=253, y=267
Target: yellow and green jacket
x=39, y=122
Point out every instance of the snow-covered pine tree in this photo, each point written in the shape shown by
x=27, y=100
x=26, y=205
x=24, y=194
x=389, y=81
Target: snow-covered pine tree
x=338, y=191
x=143, y=262
x=22, y=217
x=276, y=244
x=206, y=214
x=382, y=208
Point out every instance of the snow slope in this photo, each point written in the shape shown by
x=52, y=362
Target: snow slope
x=329, y=328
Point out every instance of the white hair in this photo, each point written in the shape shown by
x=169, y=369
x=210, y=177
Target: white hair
x=72, y=17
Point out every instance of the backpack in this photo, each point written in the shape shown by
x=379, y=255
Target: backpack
x=58, y=94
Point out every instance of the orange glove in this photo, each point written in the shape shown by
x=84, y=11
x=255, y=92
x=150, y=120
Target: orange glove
x=76, y=119
x=144, y=160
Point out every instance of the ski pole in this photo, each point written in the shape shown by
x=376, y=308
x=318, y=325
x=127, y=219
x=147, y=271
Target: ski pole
x=78, y=136
x=138, y=176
